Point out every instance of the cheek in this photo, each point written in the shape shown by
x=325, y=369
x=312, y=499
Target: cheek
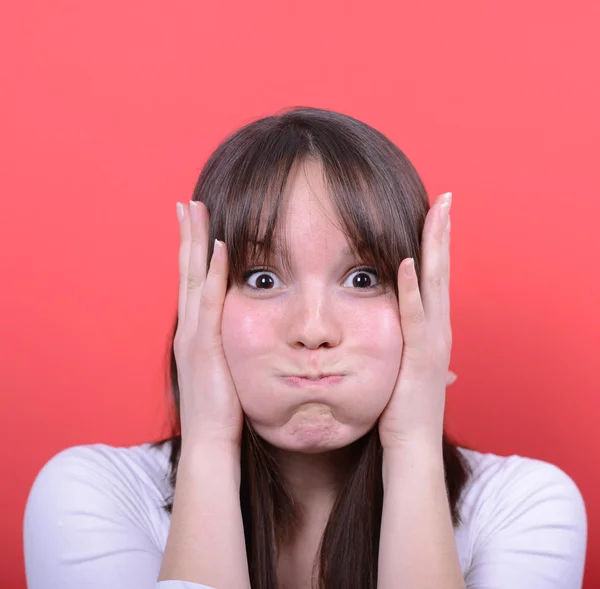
x=247, y=331
x=250, y=339
x=377, y=351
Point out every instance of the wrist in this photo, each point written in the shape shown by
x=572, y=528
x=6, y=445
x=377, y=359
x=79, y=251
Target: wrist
x=210, y=458
x=417, y=458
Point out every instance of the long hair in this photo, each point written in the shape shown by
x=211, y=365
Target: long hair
x=381, y=204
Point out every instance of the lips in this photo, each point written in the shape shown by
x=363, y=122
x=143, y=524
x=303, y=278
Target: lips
x=315, y=376
x=313, y=381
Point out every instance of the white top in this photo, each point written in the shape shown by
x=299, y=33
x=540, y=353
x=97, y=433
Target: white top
x=94, y=519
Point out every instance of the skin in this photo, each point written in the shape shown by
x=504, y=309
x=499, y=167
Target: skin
x=314, y=320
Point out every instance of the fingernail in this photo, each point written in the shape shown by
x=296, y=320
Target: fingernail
x=217, y=252
x=445, y=208
x=409, y=268
x=444, y=214
x=180, y=212
x=193, y=210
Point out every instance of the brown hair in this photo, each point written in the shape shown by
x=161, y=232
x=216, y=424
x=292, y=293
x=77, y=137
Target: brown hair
x=382, y=205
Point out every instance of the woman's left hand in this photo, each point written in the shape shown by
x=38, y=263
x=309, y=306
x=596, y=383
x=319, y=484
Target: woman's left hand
x=415, y=411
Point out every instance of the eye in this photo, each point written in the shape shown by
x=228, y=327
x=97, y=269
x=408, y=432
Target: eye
x=361, y=278
x=261, y=278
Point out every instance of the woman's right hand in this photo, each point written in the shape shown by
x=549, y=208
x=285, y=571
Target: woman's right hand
x=210, y=410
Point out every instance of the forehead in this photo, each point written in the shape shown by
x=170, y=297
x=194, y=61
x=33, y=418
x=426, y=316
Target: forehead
x=306, y=202
x=306, y=215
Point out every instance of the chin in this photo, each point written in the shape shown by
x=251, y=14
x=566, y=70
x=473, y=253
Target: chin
x=310, y=447
x=313, y=438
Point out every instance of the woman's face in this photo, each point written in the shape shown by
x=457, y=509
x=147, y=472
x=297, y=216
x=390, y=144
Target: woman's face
x=316, y=320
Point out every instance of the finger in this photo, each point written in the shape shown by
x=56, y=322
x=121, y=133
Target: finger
x=213, y=293
x=435, y=263
x=184, y=258
x=445, y=267
x=412, y=312
x=196, y=247
x=451, y=377
x=445, y=270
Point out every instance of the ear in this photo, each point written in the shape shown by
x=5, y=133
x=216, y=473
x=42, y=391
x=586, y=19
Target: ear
x=450, y=378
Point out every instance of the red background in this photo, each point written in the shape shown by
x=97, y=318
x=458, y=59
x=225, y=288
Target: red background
x=110, y=109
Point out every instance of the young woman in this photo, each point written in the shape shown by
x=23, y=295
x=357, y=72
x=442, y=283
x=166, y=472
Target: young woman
x=308, y=368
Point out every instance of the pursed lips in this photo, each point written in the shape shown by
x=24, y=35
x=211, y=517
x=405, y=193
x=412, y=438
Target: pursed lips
x=312, y=379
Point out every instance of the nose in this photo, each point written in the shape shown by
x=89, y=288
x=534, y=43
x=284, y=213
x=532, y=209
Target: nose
x=313, y=322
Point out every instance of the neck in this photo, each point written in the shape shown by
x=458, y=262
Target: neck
x=314, y=480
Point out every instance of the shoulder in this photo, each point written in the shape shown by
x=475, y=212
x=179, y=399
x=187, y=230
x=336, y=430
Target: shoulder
x=512, y=504
x=141, y=468
x=106, y=482
x=516, y=480
x=95, y=518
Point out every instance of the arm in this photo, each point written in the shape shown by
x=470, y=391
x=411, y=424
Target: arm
x=206, y=540
x=417, y=545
